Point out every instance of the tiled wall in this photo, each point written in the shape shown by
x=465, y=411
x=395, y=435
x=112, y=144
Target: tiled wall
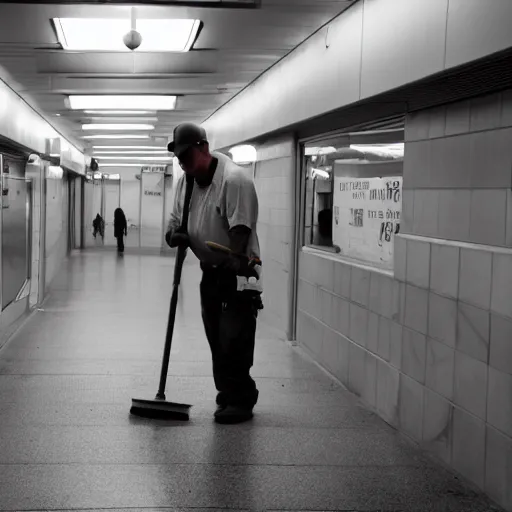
x=430, y=347
x=274, y=177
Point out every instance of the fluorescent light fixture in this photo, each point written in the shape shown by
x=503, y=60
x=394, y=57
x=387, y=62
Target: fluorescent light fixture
x=54, y=155
x=158, y=35
x=121, y=101
x=319, y=151
x=244, y=154
x=113, y=176
x=120, y=164
x=321, y=173
x=118, y=136
x=143, y=152
x=113, y=126
x=122, y=119
x=130, y=147
x=137, y=158
x=119, y=112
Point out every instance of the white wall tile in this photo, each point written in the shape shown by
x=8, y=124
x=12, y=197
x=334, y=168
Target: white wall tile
x=440, y=368
x=407, y=211
x=508, y=229
x=442, y=319
x=329, y=352
x=418, y=263
x=416, y=309
x=426, y=212
x=498, y=474
x=360, y=286
x=437, y=426
x=340, y=315
x=411, y=396
x=309, y=333
x=500, y=356
x=444, y=273
x=375, y=282
x=388, y=385
x=343, y=360
x=485, y=112
x=307, y=297
x=324, y=307
x=457, y=118
x=388, y=302
x=468, y=456
x=470, y=384
x=475, y=277
x=473, y=331
x=454, y=214
x=488, y=216
x=417, y=125
x=384, y=338
x=342, y=273
x=358, y=324
x=491, y=159
x=499, y=401
x=400, y=258
x=396, y=340
x=369, y=394
x=373, y=333
x=437, y=121
x=502, y=284
x=416, y=165
x=356, y=372
x=414, y=355
x=450, y=162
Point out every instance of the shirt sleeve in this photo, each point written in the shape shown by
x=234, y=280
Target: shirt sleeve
x=177, y=208
x=240, y=201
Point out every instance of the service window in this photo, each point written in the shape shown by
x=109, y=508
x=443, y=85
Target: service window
x=353, y=195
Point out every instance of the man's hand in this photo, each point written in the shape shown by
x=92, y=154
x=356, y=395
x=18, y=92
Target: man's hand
x=239, y=264
x=177, y=239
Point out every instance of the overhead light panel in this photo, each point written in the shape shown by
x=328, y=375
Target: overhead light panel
x=119, y=112
x=116, y=136
x=104, y=34
x=120, y=164
x=120, y=101
x=129, y=147
x=120, y=126
x=136, y=158
x=142, y=152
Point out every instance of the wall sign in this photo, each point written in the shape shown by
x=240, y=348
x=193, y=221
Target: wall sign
x=366, y=216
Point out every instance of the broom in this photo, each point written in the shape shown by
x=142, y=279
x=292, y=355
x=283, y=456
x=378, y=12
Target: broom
x=159, y=407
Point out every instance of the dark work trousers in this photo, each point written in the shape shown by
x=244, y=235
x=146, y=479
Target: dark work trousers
x=120, y=243
x=229, y=319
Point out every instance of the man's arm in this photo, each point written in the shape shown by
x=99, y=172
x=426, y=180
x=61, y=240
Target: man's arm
x=177, y=208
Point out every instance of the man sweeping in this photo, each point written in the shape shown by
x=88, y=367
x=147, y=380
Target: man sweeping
x=223, y=210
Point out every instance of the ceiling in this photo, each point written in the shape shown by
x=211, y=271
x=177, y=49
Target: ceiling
x=233, y=47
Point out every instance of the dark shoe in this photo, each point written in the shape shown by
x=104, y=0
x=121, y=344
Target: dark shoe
x=232, y=414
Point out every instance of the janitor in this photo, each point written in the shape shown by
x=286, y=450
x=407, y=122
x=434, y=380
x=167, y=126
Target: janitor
x=224, y=210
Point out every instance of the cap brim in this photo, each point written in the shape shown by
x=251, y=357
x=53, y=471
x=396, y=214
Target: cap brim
x=170, y=147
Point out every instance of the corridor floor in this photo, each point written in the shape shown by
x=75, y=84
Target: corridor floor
x=67, y=441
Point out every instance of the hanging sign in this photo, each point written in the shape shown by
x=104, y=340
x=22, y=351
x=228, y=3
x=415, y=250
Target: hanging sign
x=366, y=216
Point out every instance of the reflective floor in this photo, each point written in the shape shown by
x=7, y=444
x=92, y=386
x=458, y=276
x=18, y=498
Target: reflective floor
x=67, y=441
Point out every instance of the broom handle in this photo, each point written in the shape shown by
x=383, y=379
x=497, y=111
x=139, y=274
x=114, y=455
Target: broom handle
x=178, y=266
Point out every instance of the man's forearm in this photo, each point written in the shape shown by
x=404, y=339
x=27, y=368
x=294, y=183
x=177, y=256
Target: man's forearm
x=239, y=239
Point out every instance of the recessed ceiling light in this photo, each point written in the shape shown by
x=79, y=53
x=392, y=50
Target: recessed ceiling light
x=118, y=136
x=142, y=152
x=120, y=126
x=145, y=102
x=120, y=164
x=127, y=147
x=136, y=158
x=119, y=112
x=171, y=35
x=58, y=115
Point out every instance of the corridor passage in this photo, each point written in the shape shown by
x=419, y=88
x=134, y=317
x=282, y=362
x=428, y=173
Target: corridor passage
x=67, y=441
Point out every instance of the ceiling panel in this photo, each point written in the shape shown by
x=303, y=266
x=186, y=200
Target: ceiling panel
x=234, y=46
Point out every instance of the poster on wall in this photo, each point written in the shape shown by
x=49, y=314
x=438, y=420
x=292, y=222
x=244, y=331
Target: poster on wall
x=366, y=217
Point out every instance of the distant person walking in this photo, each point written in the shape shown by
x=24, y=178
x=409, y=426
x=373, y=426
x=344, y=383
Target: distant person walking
x=98, y=225
x=120, y=228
